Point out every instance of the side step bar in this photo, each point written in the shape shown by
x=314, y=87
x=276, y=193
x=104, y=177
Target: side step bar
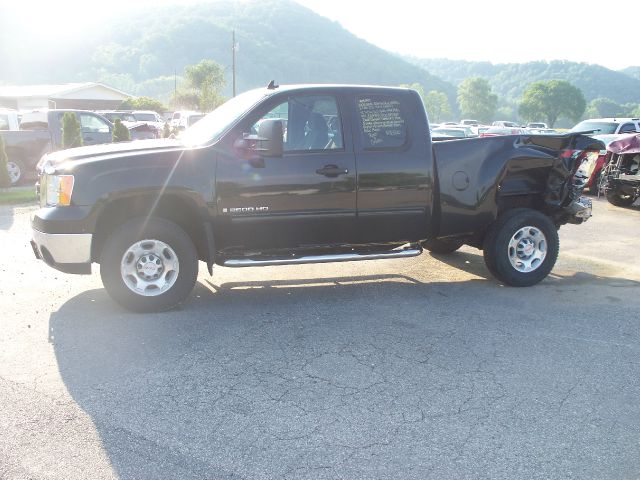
x=409, y=251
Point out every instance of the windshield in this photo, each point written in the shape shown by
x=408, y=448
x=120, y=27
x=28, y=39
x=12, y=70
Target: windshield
x=597, y=127
x=211, y=127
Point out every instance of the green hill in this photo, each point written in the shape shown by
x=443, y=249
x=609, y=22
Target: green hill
x=278, y=39
x=510, y=80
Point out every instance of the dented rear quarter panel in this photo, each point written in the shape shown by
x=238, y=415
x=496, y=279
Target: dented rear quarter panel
x=473, y=175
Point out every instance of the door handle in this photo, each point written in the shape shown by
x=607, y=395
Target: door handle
x=332, y=171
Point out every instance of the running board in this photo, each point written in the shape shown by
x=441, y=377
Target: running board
x=412, y=251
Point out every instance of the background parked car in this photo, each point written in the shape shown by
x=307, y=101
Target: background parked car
x=150, y=117
x=537, y=125
x=469, y=122
x=496, y=131
x=452, y=132
x=138, y=130
x=608, y=126
x=505, y=123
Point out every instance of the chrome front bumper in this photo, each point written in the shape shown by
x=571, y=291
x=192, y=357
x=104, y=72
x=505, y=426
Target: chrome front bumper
x=70, y=253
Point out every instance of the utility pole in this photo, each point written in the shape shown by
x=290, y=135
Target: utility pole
x=175, y=88
x=233, y=61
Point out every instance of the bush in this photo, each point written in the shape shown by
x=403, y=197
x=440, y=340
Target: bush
x=120, y=132
x=71, y=134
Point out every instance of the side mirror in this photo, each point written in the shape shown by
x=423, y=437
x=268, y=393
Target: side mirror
x=271, y=133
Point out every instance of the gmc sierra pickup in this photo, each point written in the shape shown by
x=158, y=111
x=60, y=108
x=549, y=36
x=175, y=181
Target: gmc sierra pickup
x=304, y=174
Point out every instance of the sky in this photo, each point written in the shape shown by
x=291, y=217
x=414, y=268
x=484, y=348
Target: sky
x=498, y=31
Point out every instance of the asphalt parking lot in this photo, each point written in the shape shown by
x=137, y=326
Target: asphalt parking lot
x=422, y=368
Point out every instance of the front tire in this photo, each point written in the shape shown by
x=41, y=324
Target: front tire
x=521, y=247
x=149, y=265
x=15, y=169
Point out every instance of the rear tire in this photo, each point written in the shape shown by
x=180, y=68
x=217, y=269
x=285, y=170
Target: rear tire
x=521, y=247
x=442, y=246
x=149, y=265
x=619, y=199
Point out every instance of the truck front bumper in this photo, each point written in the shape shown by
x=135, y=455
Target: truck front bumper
x=61, y=239
x=69, y=253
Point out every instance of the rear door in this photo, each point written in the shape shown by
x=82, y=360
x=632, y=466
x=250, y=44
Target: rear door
x=305, y=197
x=394, y=163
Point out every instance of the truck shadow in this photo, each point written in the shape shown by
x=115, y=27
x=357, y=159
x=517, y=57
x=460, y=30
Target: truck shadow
x=230, y=381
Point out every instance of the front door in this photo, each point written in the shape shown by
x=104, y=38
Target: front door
x=305, y=197
x=94, y=129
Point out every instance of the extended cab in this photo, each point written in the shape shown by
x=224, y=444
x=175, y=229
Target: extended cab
x=304, y=174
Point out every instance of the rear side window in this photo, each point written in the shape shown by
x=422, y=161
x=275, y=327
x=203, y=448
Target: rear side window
x=628, y=128
x=382, y=122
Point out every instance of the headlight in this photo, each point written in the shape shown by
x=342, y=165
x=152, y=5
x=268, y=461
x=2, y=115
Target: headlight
x=57, y=189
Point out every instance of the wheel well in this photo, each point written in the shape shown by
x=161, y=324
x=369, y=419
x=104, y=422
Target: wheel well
x=506, y=203
x=536, y=202
x=174, y=208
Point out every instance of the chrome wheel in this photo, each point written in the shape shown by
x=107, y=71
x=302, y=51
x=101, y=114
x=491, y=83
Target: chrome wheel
x=14, y=172
x=527, y=249
x=149, y=267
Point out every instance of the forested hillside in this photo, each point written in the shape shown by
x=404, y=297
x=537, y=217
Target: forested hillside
x=278, y=39
x=510, y=80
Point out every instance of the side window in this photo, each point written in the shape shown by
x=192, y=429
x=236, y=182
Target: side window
x=309, y=123
x=382, y=122
x=628, y=128
x=4, y=122
x=89, y=123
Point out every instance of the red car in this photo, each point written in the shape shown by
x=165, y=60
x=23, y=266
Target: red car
x=592, y=167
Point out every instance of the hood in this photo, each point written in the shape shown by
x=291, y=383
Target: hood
x=107, y=149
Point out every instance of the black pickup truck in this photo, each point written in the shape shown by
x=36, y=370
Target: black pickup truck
x=304, y=174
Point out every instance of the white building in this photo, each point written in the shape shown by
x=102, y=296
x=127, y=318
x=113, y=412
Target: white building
x=84, y=96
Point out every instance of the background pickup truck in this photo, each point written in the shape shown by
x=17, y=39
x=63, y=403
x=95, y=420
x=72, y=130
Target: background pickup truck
x=41, y=132
x=304, y=174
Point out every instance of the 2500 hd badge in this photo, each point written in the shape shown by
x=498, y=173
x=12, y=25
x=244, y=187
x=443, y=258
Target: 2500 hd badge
x=245, y=210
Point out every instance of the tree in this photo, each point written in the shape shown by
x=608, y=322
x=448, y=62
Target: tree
x=552, y=100
x=203, y=84
x=437, y=105
x=207, y=72
x=71, y=134
x=120, y=132
x=5, y=180
x=143, y=103
x=476, y=99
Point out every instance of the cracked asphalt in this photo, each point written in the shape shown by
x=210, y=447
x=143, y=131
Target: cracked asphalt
x=422, y=368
